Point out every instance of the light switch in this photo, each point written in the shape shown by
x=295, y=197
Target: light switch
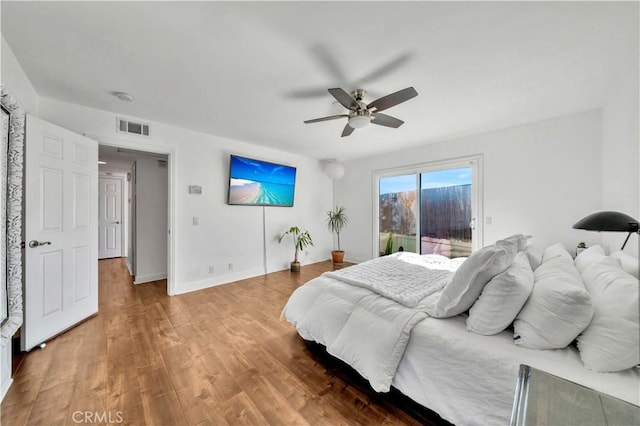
x=196, y=221
x=195, y=189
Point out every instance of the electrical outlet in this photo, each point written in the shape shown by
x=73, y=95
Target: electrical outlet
x=196, y=221
x=211, y=269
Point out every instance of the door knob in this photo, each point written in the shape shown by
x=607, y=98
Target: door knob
x=34, y=243
x=116, y=223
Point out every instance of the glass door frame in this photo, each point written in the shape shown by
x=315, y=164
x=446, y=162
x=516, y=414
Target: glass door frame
x=477, y=194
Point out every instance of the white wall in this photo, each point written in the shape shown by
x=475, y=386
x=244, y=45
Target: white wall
x=621, y=154
x=152, y=188
x=5, y=370
x=539, y=179
x=226, y=234
x=16, y=81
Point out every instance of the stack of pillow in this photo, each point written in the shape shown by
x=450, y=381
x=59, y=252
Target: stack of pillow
x=559, y=307
x=471, y=277
x=612, y=341
x=551, y=300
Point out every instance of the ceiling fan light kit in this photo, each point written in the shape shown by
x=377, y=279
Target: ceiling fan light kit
x=360, y=118
x=361, y=113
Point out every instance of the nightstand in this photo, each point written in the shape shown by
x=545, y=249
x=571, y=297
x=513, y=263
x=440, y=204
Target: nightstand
x=544, y=399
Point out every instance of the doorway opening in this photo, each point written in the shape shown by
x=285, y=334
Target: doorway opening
x=134, y=222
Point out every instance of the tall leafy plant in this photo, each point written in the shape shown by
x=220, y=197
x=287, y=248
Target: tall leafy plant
x=336, y=221
x=301, y=240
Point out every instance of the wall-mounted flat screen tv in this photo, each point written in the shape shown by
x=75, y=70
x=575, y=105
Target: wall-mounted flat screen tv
x=260, y=183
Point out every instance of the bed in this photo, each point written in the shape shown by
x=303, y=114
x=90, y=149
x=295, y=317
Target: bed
x=420, y=343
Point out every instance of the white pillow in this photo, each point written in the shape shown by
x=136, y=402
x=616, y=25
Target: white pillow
x=557, y=311
x=556, y=250
x=588, y=256
x=612, y=340
x=502, y=298
x=468, y=281
x=629, y=263
x=514, y=243
x=535, y=256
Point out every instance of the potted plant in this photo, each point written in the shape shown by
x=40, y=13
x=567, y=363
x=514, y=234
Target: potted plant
x=336, y=221
x=301, y=239
x=388, y=248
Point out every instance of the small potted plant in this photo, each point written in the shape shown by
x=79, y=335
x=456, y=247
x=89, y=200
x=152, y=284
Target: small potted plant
x=388, y=248
x=336, y=221
x=301, y=239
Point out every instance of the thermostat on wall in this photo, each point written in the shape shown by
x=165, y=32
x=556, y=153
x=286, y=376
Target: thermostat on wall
x=195, y=189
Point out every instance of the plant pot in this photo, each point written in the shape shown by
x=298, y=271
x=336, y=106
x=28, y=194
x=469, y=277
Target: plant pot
x=295, y=266
x=338, y=257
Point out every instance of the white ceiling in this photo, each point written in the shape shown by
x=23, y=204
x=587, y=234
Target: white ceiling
x=120, y=160
x=253, y=71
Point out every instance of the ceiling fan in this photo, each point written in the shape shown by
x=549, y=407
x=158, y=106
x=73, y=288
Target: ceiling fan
x=360, y=114
x=327, y=60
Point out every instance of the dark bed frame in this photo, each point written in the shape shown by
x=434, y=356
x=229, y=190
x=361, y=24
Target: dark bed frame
x=392, y=401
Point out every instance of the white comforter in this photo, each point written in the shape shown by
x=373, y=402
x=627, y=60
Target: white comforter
x=467, y=378
x=470, y=379
x=406, y=278
x=356, y=323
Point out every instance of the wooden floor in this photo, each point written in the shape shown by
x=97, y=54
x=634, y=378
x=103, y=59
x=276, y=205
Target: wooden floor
x=216, y=356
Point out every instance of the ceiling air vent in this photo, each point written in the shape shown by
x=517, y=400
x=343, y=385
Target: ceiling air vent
x=132, y=127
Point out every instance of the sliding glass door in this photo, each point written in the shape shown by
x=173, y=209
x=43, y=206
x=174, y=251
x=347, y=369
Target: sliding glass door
x=431, y=210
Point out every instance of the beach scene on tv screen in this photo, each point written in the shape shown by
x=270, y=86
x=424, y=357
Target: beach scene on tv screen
x=258, y=182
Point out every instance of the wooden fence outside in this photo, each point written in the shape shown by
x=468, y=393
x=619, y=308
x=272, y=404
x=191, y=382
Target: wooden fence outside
x=446, y=213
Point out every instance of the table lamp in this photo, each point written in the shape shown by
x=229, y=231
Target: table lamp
x=609, y=221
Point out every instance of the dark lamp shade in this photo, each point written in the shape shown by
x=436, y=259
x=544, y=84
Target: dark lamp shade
x=608, y=221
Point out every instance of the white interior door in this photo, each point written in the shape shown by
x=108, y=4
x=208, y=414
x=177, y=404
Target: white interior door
x=61, y=233
x=109, y=218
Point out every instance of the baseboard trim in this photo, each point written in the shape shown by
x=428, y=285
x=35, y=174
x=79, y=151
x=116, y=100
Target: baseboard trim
x=356, y=260
x=5, y=388
x=216, y=281
x=141, y=279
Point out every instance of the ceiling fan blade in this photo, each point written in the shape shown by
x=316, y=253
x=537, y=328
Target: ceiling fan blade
x=393, y=99
x=344, y=98
x=383, y=70
x=386, y=120
x=327, y=59
x=331, y=117
x=347, y=130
